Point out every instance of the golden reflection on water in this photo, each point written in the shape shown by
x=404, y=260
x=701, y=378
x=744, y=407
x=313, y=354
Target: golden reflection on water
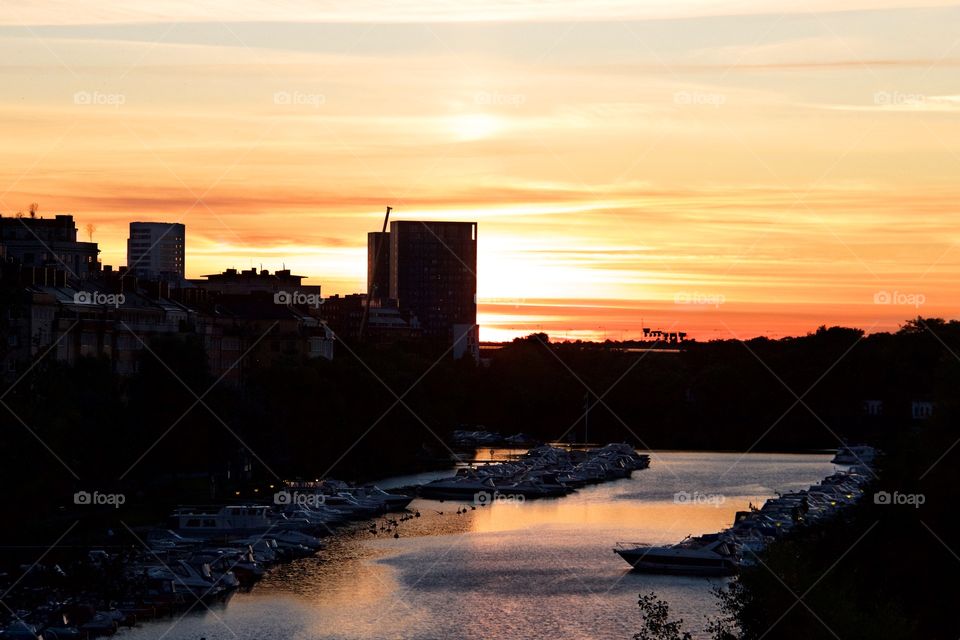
x=496, y=454
x=537, y=569
x=318, y=577
x=668, y=519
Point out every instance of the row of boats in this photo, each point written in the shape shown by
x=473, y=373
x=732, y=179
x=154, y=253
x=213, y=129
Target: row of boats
x=723, y=553
x=244, y=540
x=542, y=472
x=483, y=438
x=206, y=553
x=203, y=556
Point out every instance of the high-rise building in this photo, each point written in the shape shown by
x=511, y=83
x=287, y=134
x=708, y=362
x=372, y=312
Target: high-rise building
x=378, y=265
x=157, y=250
x=433, y=274
x=48, y=242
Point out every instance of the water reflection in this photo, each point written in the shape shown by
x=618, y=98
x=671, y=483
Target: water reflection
x=540, y=569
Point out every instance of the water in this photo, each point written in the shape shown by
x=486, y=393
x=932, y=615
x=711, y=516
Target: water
x=541, y=569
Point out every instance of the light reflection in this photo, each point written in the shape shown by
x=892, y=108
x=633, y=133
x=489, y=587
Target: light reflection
x=668, y=522
x=551, y=560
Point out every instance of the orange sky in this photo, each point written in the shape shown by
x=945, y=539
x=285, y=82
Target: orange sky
x=721, y=168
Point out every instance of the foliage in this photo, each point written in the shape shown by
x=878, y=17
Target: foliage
x=378, y=410
x=657, y=624
x=880, y=571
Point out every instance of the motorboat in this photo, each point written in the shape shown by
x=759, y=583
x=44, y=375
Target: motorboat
x=855, y=454
x=101, y=624
x=20, y=630
x=221, y=520
x=221, y=566
x=392, y=501
x=461, y=486
x=61, y=632
x=265, y=550
x=711, y=555
x=166, y=539
x=197, y=580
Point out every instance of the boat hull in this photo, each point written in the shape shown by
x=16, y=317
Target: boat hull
x=644, y=563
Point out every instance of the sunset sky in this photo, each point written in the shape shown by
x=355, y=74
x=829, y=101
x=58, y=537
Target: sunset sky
x=724, y=168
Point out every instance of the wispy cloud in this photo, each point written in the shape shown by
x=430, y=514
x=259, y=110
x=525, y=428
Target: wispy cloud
x=794, y=160
x=103, y=11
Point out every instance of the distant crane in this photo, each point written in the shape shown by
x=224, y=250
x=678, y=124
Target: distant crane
x=372, y=278
x=386, y=219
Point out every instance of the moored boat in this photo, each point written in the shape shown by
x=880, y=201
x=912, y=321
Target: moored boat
x=711, y=555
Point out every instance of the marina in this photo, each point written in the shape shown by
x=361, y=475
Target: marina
x=210, y=552
x=543, y=472
x=722, y=553
x=537, y=568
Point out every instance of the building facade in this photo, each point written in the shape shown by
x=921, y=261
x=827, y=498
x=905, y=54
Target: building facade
x=433, y=275
x=157, y=250
x=114, y=315
x=247, y=281
x=48, y=243
x=378, y=265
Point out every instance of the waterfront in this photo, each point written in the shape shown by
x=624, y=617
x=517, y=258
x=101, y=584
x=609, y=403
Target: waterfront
x=541, y=569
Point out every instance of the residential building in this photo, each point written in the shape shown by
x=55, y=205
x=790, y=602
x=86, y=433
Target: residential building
x=433, y=275
x=385, y=321
x=48, y=242
x=157, y=250
x=116, y=314
x=250, y=281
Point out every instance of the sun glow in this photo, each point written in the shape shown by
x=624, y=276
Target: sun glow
x=620, y=177
x=475, y=126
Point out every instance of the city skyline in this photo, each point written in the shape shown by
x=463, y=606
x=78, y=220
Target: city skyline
x=731, y=176
x=449, y=319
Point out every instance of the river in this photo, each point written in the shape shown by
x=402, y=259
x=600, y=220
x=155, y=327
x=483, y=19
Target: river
x=537, y=569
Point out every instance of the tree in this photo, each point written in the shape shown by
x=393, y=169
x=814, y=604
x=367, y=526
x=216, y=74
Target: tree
x=657, y=624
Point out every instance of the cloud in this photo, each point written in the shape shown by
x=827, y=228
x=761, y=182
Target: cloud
x=900, y=102
x=52, y=12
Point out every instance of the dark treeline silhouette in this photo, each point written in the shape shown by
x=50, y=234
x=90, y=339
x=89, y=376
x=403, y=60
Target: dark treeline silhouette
x=883, y=569
x=169, y=434
x=880, y=570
